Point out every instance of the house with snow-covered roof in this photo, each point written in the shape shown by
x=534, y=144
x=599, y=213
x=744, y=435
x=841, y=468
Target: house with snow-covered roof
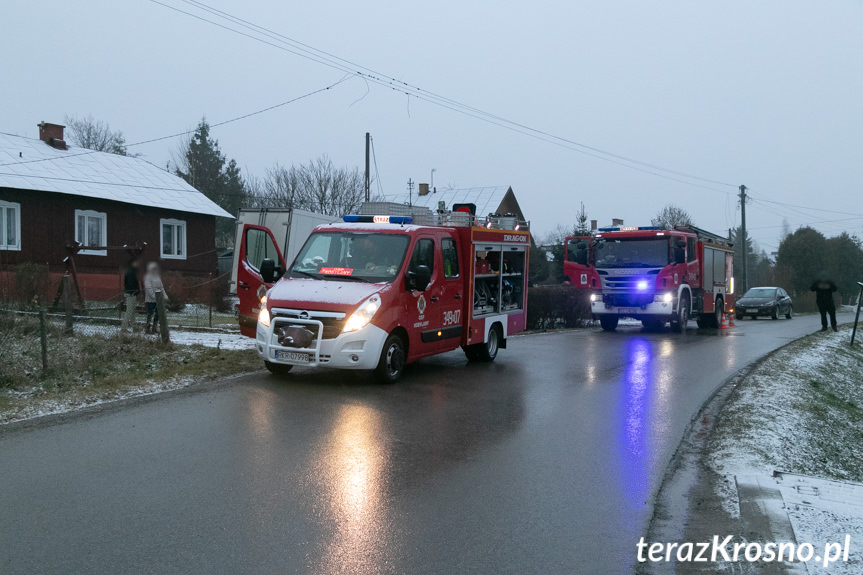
x=53, y=195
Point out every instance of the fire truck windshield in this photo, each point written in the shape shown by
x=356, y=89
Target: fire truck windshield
x=632, y=253
x=347, y=256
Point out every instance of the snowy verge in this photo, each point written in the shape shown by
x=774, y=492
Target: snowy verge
x=800, y=411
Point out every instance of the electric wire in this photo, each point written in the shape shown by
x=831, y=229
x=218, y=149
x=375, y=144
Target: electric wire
x=324, y=58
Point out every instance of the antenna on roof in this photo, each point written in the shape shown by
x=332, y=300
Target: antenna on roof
x=410, y=192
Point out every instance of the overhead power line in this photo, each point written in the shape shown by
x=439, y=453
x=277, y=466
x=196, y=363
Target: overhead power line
x=288, y=44
x=178, y=134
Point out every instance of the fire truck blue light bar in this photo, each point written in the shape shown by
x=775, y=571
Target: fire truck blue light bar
x=353, y=219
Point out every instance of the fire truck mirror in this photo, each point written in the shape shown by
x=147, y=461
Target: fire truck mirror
x=419, y=279
x=268, y=270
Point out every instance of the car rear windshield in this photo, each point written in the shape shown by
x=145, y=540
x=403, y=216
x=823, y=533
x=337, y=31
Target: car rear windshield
x=632, y=253
x=760, y=293
x=349, y=256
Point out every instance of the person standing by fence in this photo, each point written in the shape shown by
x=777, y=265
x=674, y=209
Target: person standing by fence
x=131, y=288
x=152, y=282
x=824, y=289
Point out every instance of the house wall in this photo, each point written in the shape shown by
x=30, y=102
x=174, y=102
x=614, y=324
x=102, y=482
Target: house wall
x=48, y=226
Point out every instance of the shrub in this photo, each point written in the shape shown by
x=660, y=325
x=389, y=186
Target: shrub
x=27, y=284
x=557, y=307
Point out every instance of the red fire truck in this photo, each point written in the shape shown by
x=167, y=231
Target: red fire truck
x=378, y=292
x=653, y=275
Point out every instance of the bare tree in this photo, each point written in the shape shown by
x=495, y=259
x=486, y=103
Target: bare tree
x=670, y=217
x=95, y=135
x=557, y=235
x=317, y=186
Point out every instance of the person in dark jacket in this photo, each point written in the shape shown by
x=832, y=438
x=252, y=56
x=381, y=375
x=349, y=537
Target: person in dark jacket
x=824, y=289
x=131, y=289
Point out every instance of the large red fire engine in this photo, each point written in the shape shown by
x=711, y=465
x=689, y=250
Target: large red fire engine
x=654, y=275
x=377, y=292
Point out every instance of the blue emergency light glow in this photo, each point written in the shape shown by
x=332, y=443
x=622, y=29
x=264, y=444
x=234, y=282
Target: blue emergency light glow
x=642, y=285
x=354, y=219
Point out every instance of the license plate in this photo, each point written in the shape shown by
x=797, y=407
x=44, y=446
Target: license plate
x=751, y=311
x=628, y=310
x=293, y=356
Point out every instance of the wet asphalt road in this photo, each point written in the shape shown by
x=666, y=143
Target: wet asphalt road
x=545, y=461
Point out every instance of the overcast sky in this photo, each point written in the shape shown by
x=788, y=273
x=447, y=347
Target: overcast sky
x=766, y=94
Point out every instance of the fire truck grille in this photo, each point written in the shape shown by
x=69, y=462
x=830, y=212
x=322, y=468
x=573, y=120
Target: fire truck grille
x=631, y=300
x=332, y=326
x=624, y=290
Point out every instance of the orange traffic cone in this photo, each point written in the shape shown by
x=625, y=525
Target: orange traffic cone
x=731, y=320
x=724, y=324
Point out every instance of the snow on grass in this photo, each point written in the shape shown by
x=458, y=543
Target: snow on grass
x=800, y=411
x=66, y=404
x=219, y=340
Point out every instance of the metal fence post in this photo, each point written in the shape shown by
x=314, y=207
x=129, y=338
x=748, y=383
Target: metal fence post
x=67, y=302
x=857, y=317
x=163, y=316
x=43, y=337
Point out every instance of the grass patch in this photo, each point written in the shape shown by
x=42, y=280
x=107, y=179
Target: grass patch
x=84, y=369
x=798, y=411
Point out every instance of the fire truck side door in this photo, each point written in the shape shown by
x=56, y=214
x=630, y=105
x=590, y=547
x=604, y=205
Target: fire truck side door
x=257, y=244
x=422, y=308
x=578, y=264
x=452, y=299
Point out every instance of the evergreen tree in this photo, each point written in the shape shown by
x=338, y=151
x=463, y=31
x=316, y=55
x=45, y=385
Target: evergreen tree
x=204, y=167
x=582, y=226
x=802, y=256
x=845, y=264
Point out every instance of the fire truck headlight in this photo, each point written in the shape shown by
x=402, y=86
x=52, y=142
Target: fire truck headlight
x=264, y=314
x=668, y=298
x=642, y=285
x=594, y=297
x=364, y=314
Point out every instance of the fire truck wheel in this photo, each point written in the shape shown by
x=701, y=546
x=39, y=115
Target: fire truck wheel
x=392, y=362
x=278, y=368
x=714, y=320
x=488, y=351
x=470, y=352
x=679, y=323
x=608, y=322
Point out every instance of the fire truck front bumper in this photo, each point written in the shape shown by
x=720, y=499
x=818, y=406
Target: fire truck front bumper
x=360, y=349
x=653, y=309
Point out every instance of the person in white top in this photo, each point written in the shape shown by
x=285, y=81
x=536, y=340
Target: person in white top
x=152, y=282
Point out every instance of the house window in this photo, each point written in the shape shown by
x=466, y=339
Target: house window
x=10, y=226
x=173, y=239
x=91, y=229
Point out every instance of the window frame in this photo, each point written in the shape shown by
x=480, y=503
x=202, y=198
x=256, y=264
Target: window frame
x=174, y=223
x=415, y=253
x=443, y=255
x=103, y=216
x=4, y=206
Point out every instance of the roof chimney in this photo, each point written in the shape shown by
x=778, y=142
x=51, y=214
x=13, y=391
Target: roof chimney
x=424, y=189
x=616, y=222
x=52, y=134
x=593, y=225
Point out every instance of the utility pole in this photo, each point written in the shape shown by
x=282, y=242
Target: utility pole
x=368, y=138
x=410, y=192
x=744, y=247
